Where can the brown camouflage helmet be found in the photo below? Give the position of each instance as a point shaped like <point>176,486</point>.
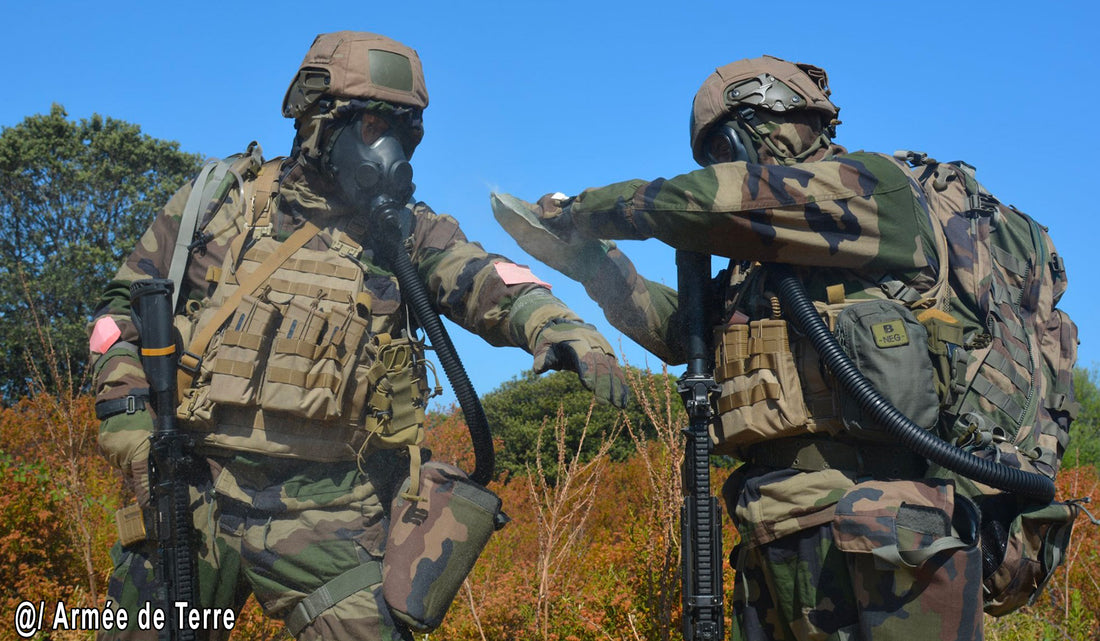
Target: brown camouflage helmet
<point>766,84</point>
<point>359,68</point>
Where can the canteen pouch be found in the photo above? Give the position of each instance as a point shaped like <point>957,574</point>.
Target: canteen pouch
<point>761,395</point>
<point>238,366</point>
<point>434,539</point>
<point>890,348</point>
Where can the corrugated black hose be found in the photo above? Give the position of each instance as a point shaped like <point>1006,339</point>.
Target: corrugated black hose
<point>416,295</point>
<point>802,311</point>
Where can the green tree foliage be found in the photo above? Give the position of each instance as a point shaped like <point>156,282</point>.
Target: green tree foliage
<point>74,199</point>
<point>518,408</point>
<point>1084,434</point>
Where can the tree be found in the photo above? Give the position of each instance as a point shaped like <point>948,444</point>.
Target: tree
<point>517,409</point>
<point>1084,433</point>
<point>74,199</point>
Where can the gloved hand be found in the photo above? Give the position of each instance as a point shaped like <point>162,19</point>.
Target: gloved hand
<point>138,425</point>
<point>546,231</point>
<point>578,347</point>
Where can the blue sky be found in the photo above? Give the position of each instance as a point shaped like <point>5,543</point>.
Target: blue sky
<point>531,98</point>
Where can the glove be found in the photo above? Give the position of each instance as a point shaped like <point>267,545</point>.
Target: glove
<point>578,347</point>
<point>120,430</point>
<point>546,232</point>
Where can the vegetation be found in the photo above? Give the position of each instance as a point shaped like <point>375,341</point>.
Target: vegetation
<point>74,198</point>
<point>592,550</point>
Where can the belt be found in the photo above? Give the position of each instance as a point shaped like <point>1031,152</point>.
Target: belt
<point>813,454</point>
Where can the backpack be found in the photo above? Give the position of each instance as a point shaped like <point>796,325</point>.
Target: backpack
<point>1004,356</point>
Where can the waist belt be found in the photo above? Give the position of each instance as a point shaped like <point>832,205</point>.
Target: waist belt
<point>808,454</point>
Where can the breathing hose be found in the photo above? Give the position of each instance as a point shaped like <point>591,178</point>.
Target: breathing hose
<point>416,295</point>
<point>801,309</point>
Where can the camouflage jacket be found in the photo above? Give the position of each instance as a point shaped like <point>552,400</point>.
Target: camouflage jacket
<point>853,219</point>
<point>460,276</point>
<point>856,219</point>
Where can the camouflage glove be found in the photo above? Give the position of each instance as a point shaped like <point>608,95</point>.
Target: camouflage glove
<point>137,468</point>
<point>545,231</point>
<point>578,347</point>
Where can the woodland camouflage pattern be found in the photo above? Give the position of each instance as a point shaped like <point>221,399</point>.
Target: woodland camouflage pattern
<point>286,525</point>
<point>433,543</point>
<point>853,219</point>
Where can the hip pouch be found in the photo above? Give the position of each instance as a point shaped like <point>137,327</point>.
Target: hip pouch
<point>434,539</point>
<point>1034,545</point>
<point>890,348</point>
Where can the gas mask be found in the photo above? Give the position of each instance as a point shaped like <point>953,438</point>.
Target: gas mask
<point>369,164</point>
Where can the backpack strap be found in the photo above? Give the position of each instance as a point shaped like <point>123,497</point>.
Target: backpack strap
<point>211,185</point>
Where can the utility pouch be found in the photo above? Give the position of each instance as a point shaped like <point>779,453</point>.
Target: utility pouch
<point>890,349</point>
<point>434,539</point>
<point>242,354</point>
<point>390,392</point>
<point>130,521</point>
<point>761,395</point>
<point>1036,545</point>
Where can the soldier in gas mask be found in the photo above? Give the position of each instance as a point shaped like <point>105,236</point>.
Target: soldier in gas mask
<point>303,380</point>
<point>845,532</point>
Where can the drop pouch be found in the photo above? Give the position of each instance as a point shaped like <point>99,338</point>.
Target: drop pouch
<point>435,537</point>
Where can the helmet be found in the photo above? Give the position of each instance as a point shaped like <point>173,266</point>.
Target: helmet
<point>767,84</point>
<point>357,65</point>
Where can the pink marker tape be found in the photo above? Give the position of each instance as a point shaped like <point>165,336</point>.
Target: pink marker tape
<point>104,334</point>
<point>513,274</point>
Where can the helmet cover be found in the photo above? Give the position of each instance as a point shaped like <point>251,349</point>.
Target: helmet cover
<point>766,83</point>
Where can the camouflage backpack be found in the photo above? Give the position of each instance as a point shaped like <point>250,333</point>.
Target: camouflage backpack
<point>1004,356</point>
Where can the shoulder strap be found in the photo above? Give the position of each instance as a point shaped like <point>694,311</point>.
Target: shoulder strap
<point>206,188</point>
<point>191,359</point>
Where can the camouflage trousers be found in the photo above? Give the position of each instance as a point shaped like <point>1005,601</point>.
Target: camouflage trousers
<point>886,564</point>
<point>294,541</point>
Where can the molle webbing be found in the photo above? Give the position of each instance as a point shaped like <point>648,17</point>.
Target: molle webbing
<point>192,357</point>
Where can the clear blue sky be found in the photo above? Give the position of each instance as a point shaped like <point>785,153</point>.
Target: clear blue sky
<point>531,98</point>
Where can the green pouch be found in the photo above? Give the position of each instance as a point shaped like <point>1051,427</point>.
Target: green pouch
<point>434,539</point>
<point>890,347</point>
<point>1037,543</point>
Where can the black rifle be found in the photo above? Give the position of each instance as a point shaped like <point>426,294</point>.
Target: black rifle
<point>700,516</point>
<point>151,308</point>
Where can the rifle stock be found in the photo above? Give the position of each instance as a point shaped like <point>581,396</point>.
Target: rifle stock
<point>151,306</point>
<point>700,516</point>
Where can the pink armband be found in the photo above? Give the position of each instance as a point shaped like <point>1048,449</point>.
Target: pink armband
<point>104,334</point>
<point>513,274</point>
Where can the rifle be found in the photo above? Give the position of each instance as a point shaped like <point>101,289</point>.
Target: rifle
<point>151,309</point>
<point>700,516</point>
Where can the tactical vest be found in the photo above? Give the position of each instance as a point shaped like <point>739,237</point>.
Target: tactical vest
<point>301,352</point>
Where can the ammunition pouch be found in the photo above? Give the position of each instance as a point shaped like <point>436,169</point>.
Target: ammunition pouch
<point>435,538</point>
<point>761,395</point>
